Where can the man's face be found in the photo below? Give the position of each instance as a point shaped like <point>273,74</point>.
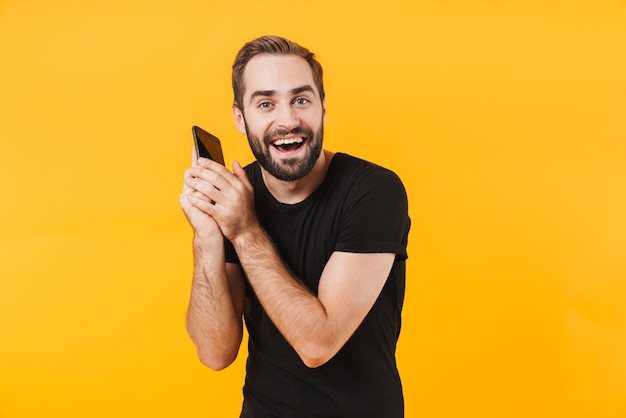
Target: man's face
<point>282,115</point>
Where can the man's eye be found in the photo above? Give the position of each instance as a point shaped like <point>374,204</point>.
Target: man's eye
<point>265,105</point>
<point>301,101</point>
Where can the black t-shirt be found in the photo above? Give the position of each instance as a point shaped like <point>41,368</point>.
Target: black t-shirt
<point>359,207</point>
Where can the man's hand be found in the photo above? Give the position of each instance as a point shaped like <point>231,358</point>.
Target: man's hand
<point>225,197</point>
<point>202,223</point>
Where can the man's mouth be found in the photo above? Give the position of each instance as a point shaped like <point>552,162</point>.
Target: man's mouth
<point>288,144</point>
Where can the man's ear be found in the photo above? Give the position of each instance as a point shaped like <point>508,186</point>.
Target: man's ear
<point>239,119</point>
<point>324,110</point>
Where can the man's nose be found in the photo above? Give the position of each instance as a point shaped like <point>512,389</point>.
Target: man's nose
<point>288,117</point>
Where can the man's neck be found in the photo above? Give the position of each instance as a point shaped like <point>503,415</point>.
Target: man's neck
<point>291,192</point>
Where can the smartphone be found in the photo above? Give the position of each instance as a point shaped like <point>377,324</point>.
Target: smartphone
<point>207,145</point>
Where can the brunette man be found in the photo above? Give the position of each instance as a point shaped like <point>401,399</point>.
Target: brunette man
<point>306,245</point>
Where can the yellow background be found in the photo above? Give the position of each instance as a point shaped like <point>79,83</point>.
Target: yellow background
<point>506,121</point>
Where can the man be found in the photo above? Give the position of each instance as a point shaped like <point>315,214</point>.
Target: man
<point>307,245</point>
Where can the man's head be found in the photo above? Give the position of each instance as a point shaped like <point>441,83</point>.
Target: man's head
<point>271,45</point>
<point>279,105</point>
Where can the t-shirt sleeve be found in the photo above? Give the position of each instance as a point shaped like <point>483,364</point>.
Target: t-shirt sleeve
<point>375,219</point>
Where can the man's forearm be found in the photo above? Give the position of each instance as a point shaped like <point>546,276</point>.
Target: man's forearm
<point>298,314</point>
<point>213,321</point>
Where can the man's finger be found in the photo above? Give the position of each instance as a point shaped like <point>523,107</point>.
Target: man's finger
<point>240,173</point>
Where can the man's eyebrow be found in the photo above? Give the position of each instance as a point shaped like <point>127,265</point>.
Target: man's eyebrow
<point>270,93</point>
<point>302,89</point>
<point>262,93</point>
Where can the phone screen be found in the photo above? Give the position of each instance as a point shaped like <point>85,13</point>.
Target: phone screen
<point>207,145</point>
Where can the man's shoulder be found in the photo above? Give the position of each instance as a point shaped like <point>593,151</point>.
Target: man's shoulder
<point>358,169</point>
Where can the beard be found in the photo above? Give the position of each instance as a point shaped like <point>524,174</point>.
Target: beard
<point>290,169</point>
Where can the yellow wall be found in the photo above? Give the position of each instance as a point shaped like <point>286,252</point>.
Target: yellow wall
<point>506,121</point>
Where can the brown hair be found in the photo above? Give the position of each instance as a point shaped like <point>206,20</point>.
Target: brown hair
<point>273,45</point>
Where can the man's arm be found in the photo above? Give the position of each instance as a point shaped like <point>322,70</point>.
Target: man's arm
<point>214,317</point>
<point>316,327</point>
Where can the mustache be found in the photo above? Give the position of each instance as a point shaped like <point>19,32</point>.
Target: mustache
<point>298,130</point>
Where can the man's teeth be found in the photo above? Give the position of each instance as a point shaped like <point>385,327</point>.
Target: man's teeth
<point>288,141</point>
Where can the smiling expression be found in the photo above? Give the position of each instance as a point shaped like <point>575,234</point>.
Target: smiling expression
<point>284,115</point>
